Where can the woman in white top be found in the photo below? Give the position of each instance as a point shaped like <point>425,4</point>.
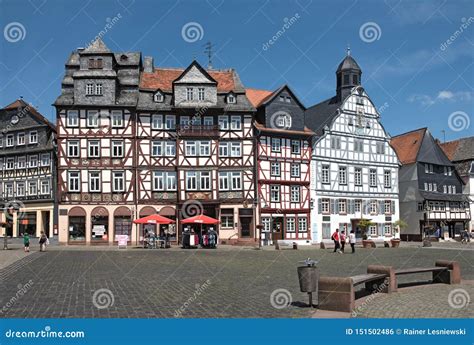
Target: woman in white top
<point>352,240</point>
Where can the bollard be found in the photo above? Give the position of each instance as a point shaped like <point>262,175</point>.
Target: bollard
<point>308,276</point>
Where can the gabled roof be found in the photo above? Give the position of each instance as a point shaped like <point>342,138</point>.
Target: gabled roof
<point>20,103</point>
<point>96,47</point>
<point>199,67</point>
<point>419,146</point>
<point>263,97</point>
<point>459,150</point>
<point>322,114</point>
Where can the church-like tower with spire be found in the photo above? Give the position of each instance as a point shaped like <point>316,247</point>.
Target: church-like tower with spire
<point>354,170</point>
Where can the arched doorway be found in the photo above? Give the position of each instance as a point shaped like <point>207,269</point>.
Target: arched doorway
<point>99,225</point>
<point>123,222</point>
<point>76,225</point>
<point>168,231</point>
<point>146,228</point>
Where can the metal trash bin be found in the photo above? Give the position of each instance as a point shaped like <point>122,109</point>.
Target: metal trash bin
<point>308,276</point>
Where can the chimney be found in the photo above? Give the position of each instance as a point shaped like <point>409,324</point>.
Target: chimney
<point>148,64</point>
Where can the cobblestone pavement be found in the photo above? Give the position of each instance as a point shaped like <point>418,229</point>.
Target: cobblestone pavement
<point>227,282</point>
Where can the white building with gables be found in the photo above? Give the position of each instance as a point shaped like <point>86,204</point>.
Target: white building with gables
<point>354,169</point>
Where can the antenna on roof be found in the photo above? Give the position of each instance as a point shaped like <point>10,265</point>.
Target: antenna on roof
<point>208,51</point>
<point>444,135</point>
<point>348,50</point>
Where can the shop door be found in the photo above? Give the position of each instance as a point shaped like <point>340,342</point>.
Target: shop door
<point>245,225</point>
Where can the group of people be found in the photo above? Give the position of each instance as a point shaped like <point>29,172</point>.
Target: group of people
<point>340,239</point>
<point>206,238</point>
<point>43,241</point>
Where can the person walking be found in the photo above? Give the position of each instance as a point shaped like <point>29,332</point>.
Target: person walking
<point>343,240</point>
<point>26,242</point>
<point>43,240</point>
<point>337,241</point>
<point>352,240</point>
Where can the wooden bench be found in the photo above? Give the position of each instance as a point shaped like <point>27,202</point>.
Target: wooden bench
<point>286,244</point>
<point>444,271</point>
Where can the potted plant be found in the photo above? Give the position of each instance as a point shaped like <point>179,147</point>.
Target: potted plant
<point>364,225</point>
<point>399,224</point>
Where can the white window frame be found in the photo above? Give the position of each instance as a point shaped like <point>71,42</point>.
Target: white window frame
<point>95,180</point>
<point>275,169</point>
<point>387,178</point>
<point>201,94</point>
<point>72,118</point>
<point>373,178</point>
<point>93,120</point>
<point>45,188</point>
<point>342,175</point>
<point>236,122</point>
<point>156,121</point>
<point>33,137</point>
<point>325,173</point>
<point>20,139</point>
<point>45,159</point>
<point>170,122</point>
<point>290,224</point>
<point>117,119</point>
<point>295,194</point>
<point>74,177</point>
<point>10,141</point>
<point>302,224</point>
<point>276,144</point>
<point>33,161</point>
<point>93,148</point>
<point>295,170</point>
<point>223,122</point>
<point>275,193</point>
<point>357,176</point>
<point>118,181</point>
<point>117,148</point>
<point>73,145</point>
<point>189,94</point>
<point>295,147</point>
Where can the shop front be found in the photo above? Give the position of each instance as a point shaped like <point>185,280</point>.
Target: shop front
<point>100,226</point>
<point>123,223</point>
<point>77,225</point>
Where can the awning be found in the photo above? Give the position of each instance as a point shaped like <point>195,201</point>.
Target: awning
<point>201,219</point>
<point>153,219</point>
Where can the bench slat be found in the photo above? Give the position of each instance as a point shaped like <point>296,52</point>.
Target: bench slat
<point>419,270</point>
<point>364,278</point>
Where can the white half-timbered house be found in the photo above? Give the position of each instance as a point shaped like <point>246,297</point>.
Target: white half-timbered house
<point>354,168</point>
<point>283,166</point>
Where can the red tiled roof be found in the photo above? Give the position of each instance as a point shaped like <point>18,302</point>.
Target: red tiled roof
<point>256,97</point>
<point>450,148</point>
<point>162,78</point>
<point>407,145</point>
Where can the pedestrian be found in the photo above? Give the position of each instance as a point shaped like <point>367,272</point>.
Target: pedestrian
<point>352,240</point>
<point>43,240</point>
<point>343,240</point>
<point>337,241</point>
<point>465,236</point>
<point>26,242</point>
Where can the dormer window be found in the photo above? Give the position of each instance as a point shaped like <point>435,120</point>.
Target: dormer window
<point>95,64</point>
<point>231,98</point>
<point>282,98</point>
<point>288,99</point>
<point>159,97</point>
<point>190,94</point>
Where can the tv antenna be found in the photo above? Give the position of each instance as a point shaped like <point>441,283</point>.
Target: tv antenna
<point>208,51</point>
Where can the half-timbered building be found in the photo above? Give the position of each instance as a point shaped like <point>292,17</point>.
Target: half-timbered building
<point>431,191</point>
<point>195,148</point>
<point>96,145</point>
<point>27,170</point>
<point>354,169</point>
<point>283,149</point>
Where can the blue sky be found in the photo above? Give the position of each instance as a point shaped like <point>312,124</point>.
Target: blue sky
<point>411,76</point>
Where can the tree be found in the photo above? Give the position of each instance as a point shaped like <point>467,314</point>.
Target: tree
<point>400,224</point>
<point>364,225</point>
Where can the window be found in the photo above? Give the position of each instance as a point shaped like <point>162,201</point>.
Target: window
<point>276,145</point>
<point>275,169</point>
<point>454,189</point>
<point>90,89</point>
<point>10,164</point>
<point>170,122</point>
<point>72,118</point>
<point>230,180</point>
<point>33,161</point>
<point>373,230</point>
<point>198,180</point>
<point>98,89</point>
<point>20,139</point>
<point>190,94</point>
<point>295,193</point>
<point>288,99</point>
<point>118,181</point>
<point>235,123</point>
<point>325,174</point>
<point>445,189</point>
<point>231,99</point>
<point>387,207</point>
<point>435,187</point>
<point>164,180</point>
<point>208,121</point>
<point>117,119</point>
<point>45,189</point>
<point>227,221</point>
<point>295,147</point>
<point>21,163</point>
<point>335,143</point>
<point>450,171</point>
<point>9,141</point>
<point>266,222</point>
<point>156,121</point>
<point>204,148</point>
<point>1,140</point>
<point>45,160</point>
<point>93,150</point>
<point>358,145</point>
<point>380,148</point>
<point>230,149</point>
<point>117,148</point>
<point>302,224</point>
<point>33,137</point>
<point>158,97</point>
<point>73,148</point>
<point>373,207</point>
<point>93,119</point>
<point>343,175</point>
<point>358,176</point>
<point>342,203</point>
<point>275,193</point>
<point>290,224</point>
<point>73,181</point>
<point>198,148</point>
<point>387,179</point>
<point>295,169</point>
<point>161,148</point>
<point>387,229</point>
<point>32,188</point>
<point>357,205</point>
<point>428,168</point>
<point>373,178</point>
<point>9,189</point>
<point>223,122</point>
<point>95,64</point>
<point>201,94</point>
<point>325,206</point>
<point>94,181</point>
<point>184,121</point>
<point>20,188</point>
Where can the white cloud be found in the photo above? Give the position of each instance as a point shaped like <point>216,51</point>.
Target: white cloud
<point>442,96</point>
<point>445,95</point>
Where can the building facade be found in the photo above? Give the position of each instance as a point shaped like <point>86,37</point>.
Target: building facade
<point>461,153</point>
<point>283,166</point>
<point>27,170</point>
<point>431,190</point>
<point>354,171</point>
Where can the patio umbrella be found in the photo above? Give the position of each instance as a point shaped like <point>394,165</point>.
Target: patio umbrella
<point>154,219</point>
<point>200,219</point>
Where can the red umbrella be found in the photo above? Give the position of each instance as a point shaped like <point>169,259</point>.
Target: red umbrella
<point>154,219</point>
<point>201,219</point>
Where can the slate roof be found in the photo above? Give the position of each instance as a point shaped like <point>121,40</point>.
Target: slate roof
<point>348,64</point>
<point>459,150</point>
<point>443,197</point>
<point>20,104</point>
<point>97,47</point>
<point>322,114</point>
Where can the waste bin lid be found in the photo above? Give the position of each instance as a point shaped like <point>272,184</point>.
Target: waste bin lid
<point>309,262</point>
